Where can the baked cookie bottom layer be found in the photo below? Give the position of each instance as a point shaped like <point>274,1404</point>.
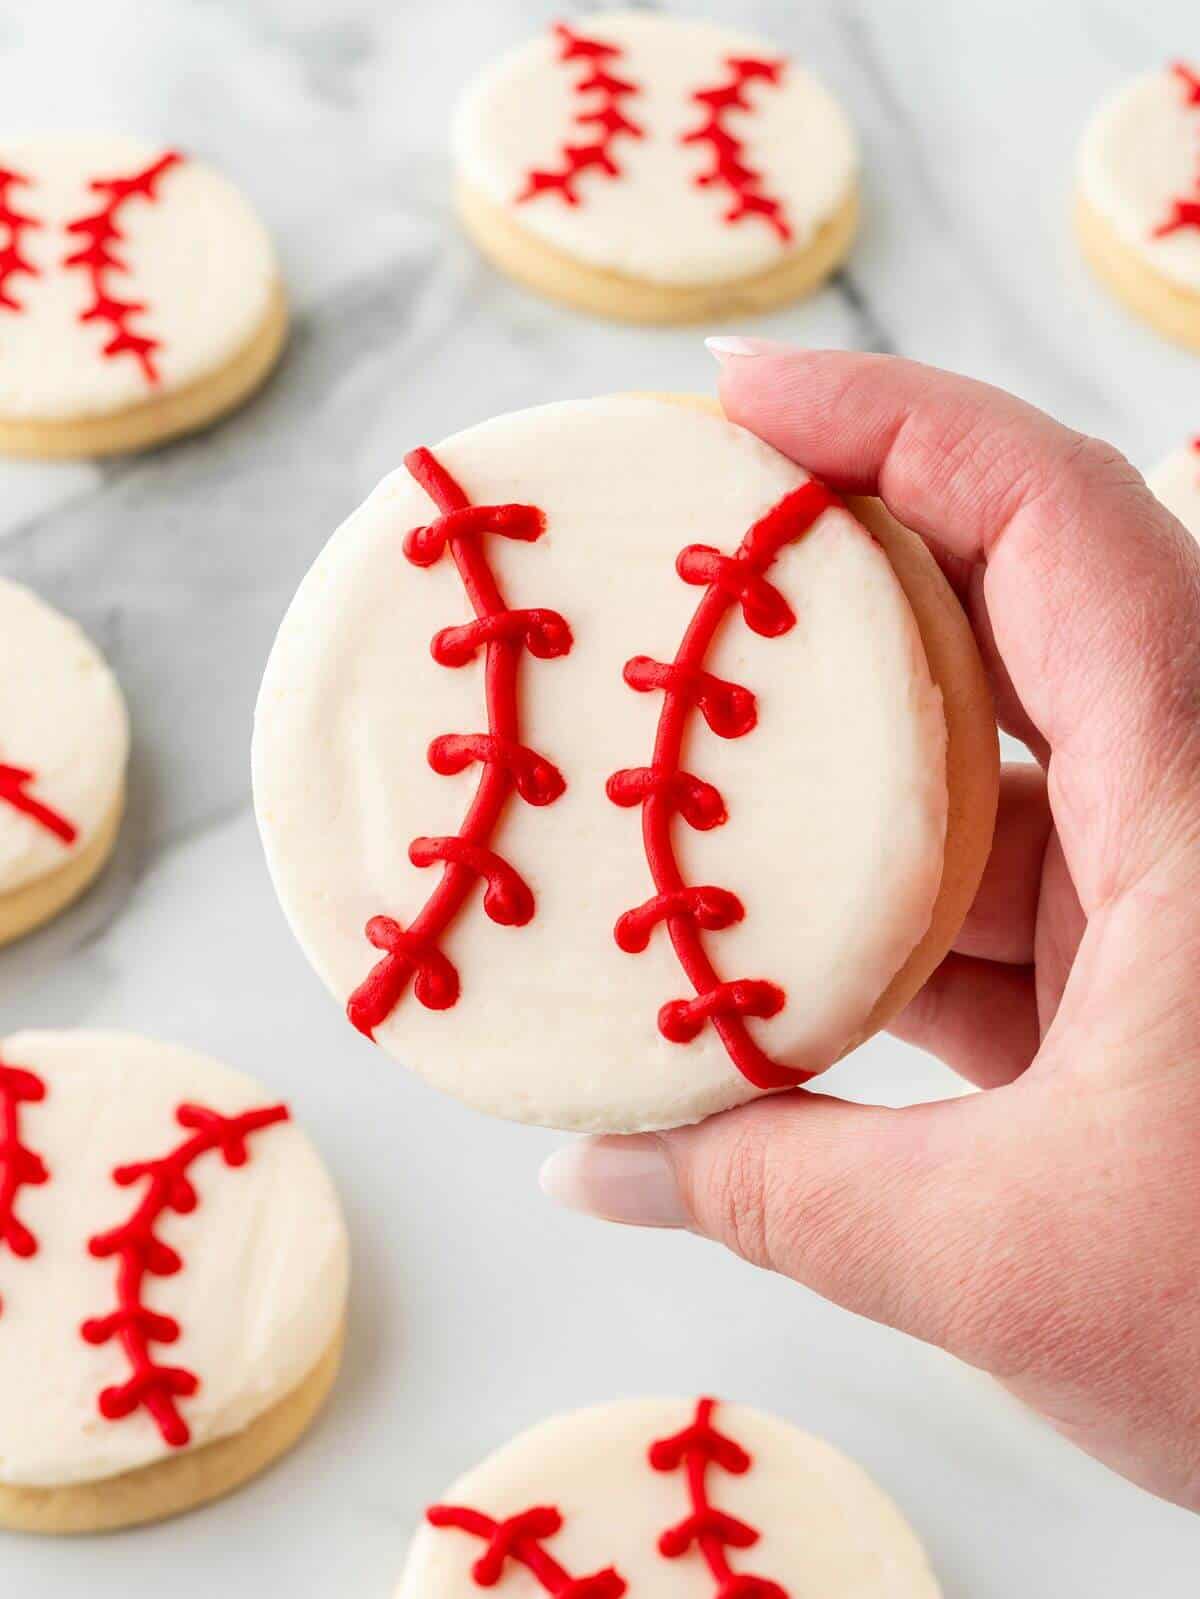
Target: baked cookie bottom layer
<point>42,899</point>
<point>556,276</point>
<point>181,1481</point>
<point>163,417</point>
<point>1168,307</point>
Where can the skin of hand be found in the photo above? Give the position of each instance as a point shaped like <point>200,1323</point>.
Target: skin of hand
<point>1046,1230</point>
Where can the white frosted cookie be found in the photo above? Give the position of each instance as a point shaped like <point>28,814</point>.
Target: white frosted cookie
<point>173,1272</point>
<point>672,1498</point>
<point>64,743</point>
<point>1176,481</point>
<point>1139,198</point>
<point>656,168</point>
<point>659,819</point>
<point>139,295</point>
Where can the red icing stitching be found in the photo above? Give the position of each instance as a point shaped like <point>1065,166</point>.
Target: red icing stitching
<point>710,1530</point>
<point>14,784</point>
<point>1185,209</point>
<point>140,1252</point>
<point>664,789</point>
<point>519,1539</point>
<point>98,257</point>
<point>507,765</point>
<point>606,116</point>
<point>20,1166</point>
<point>12,257</point>
<point>729,169</point>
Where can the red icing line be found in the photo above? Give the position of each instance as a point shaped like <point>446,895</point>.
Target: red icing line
<point>140,1252</point>
<point>507,765</point>
<point>729,169</point>
<point>20,1167</point>
<point>98,258</point>
<point>520,1539</point>
<point>713,1532</point>
<point>1185,210</point>
<point>14,785</point>
<point>12,258</point>
<point>605,116</point>
<point>664,789</point>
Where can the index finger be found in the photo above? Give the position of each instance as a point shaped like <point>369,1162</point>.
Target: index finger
<point>1092,588</point>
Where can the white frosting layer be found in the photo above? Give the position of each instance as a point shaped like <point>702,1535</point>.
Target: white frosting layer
<point>1176,481</point>
<point>63,718</point>
<point>825,1528</point>
<point>654,222</point>
<point>263,1285</point>
<point>836,800</point>
<point>198,259</point>
<point>1141,152</point>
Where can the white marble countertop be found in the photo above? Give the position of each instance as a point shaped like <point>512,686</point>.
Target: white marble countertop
<point>477,1307</point>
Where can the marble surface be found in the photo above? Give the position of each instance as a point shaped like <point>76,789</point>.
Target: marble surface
<point>477,1307</point>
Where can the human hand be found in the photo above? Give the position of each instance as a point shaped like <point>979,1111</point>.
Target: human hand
<point>1047,1230</point>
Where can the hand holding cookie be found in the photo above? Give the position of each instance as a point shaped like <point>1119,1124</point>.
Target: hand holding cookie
<point>1045,1232</point>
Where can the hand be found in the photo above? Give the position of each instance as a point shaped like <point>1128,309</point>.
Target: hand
<point>1047,1230</point>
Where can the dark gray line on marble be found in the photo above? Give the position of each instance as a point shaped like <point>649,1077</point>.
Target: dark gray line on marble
<point>870,333</point>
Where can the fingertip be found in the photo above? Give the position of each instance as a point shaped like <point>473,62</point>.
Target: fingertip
<point>629,1180</point>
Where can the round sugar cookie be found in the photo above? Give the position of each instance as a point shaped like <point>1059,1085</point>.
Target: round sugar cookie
<point>656,169</point>
<point>611,772</point>
<point>64,744</point>
<point>1138,201</point>
<point>1176,481</point>
<point>173,1275</point>
<point>673,1498</point>
<point>139,295</point>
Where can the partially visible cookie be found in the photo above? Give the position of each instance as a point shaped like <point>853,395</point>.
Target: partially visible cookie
<point>139,295</point>
<point>1176,481</point>
<point>64,743</point>
<point>173,1273</point>
<point>672,1498</point>
<point>656,169</point>
<point>1138,204</point>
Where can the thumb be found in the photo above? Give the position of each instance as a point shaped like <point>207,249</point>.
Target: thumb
<point>899,1215</point>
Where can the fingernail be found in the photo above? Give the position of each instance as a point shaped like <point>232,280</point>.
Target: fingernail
<point>629,1180</point>
<point>724,345</point>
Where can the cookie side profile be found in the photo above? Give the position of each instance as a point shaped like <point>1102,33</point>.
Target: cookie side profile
<point>1176,481</point>
<point>661,817</point>
<point>64,745</point>
<point>669,1497</point>
<point>173,1280</point>
<point>1138,199</point>
<point>656,169</point>
<point>140,296</point>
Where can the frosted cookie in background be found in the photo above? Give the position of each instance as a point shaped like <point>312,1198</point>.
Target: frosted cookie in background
<point>669,1497</point>
<point>656,169</point>
<point>140,297</point>
<point>1176,481</point>
<point>612,772</point>
<point>1138,199</point>
<point>173,1275</point>
<point>64,745</point>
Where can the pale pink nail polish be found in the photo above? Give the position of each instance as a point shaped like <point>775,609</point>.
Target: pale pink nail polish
<point>629,1180</point>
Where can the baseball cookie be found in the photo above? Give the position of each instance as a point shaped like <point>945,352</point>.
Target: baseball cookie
<point>1177,484</point>
<point>139,296</point>
<point>173,1266</point>
<point>656,170</point>
<point>1138,206</point>
<point>688,794</point>
<point>64,742</point>
<point>669,1497</point>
